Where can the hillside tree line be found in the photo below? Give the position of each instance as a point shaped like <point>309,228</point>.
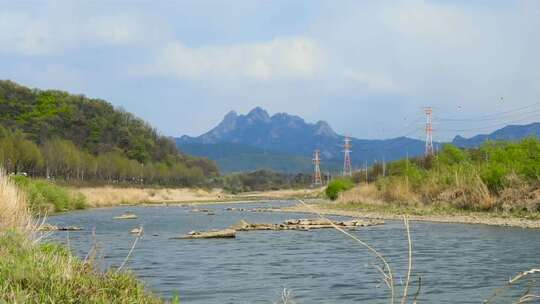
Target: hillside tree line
<point>58,135</point>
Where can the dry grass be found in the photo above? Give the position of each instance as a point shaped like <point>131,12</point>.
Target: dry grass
<point>394,191</point>
<point>398,191</point>
<point>285,194</point>
<point>367,194</point>
<point>110,196</point>
<point>14,212</point>
<point>468,193</point>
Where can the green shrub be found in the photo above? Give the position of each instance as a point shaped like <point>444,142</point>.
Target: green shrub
<point>44,196</point>
<point>336,186</point>
<point>493,176</point>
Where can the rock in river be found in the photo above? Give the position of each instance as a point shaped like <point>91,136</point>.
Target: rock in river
<point>212,234</point>
<point>305,224</point>
<point>127,216</point>
<point>138,231</point>
<point>49,227</point>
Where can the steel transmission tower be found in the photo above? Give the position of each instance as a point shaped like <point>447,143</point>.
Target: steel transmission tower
<point>347,167</point>
<point>317,180</point>
<point>429,131</point>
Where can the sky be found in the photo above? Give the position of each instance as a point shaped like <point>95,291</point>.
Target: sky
<point>366,67</point>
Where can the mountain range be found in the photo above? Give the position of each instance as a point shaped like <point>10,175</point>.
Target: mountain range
<point>285,142</point>
<point>508,133</point>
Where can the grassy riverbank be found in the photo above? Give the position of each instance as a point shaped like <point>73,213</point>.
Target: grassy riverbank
<point>33,271</point>
<point>45,197</point>
<point>498,182</point>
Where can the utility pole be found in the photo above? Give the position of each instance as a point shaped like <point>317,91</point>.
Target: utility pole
<point>328,177</point>
<point>407,169</point>
<point>365,168</point>
<point>317,181</point>
<point>347,167</point>
<point>429,131</point>
<point>383,167</point>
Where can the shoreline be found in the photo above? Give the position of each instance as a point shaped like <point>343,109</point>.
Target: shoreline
<point>106,197</point>
<point>475,219</point>
<point>97,197</point>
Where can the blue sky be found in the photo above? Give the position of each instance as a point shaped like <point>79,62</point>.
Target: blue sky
<point>366,67</point>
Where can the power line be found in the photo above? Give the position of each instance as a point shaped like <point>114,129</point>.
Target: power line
<point>491,116</point>
<point>502,124</point>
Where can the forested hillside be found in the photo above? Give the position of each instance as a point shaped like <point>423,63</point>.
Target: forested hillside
<point>72,137</point>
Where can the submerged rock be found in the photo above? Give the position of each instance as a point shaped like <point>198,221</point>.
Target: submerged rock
<point>138,231</point>
<point>240,225</point>
<point>200,210</point>
<point>127,216</point>
<point>235,209</point>
<point>212,234</point>
<point>69,228</point>
<point>49,227</point>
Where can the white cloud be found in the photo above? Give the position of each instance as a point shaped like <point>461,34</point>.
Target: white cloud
<point>423,20</point>
<point>20,33</point>
<point>278,59</point>
<point>367,56</point>
<point>375,82</point>
<point>57,31</point>
<point>118,30</point>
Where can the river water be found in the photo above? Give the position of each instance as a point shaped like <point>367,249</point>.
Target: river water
<point>457,263</point>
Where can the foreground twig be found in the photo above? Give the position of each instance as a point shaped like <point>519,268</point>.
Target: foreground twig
<point>404,299</point>
<point>93,248</point>
<point>35,226</point>
<point>418,290</point>
<point>286,297</point>
<point>388,276</point>
<point>511,282</point>
<point>528,298</point>
<point>139,235</point>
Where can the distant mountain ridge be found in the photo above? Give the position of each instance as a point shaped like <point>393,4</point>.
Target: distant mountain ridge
<point>285,142</point>
<point>281,132</point>
<point>284,134</point>
<point>508,133</point>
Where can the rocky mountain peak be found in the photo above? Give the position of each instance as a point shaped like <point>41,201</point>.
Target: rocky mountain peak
<point>258,114</point>
<point>324,129</point>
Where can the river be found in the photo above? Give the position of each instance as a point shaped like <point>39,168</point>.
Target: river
<point>457,263</point>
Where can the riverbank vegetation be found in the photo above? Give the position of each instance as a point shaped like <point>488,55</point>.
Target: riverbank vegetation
<point>336,186</point>
<point>34,271</point>
<point>262,180</point>
<point>496,177</point>
<point>53,134</point>
<point>45,197</point>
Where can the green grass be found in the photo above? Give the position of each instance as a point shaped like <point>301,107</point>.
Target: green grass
<point>46,197</point>
<point>48,273</point>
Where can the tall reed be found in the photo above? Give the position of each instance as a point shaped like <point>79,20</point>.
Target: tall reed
<point>14,212</point>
